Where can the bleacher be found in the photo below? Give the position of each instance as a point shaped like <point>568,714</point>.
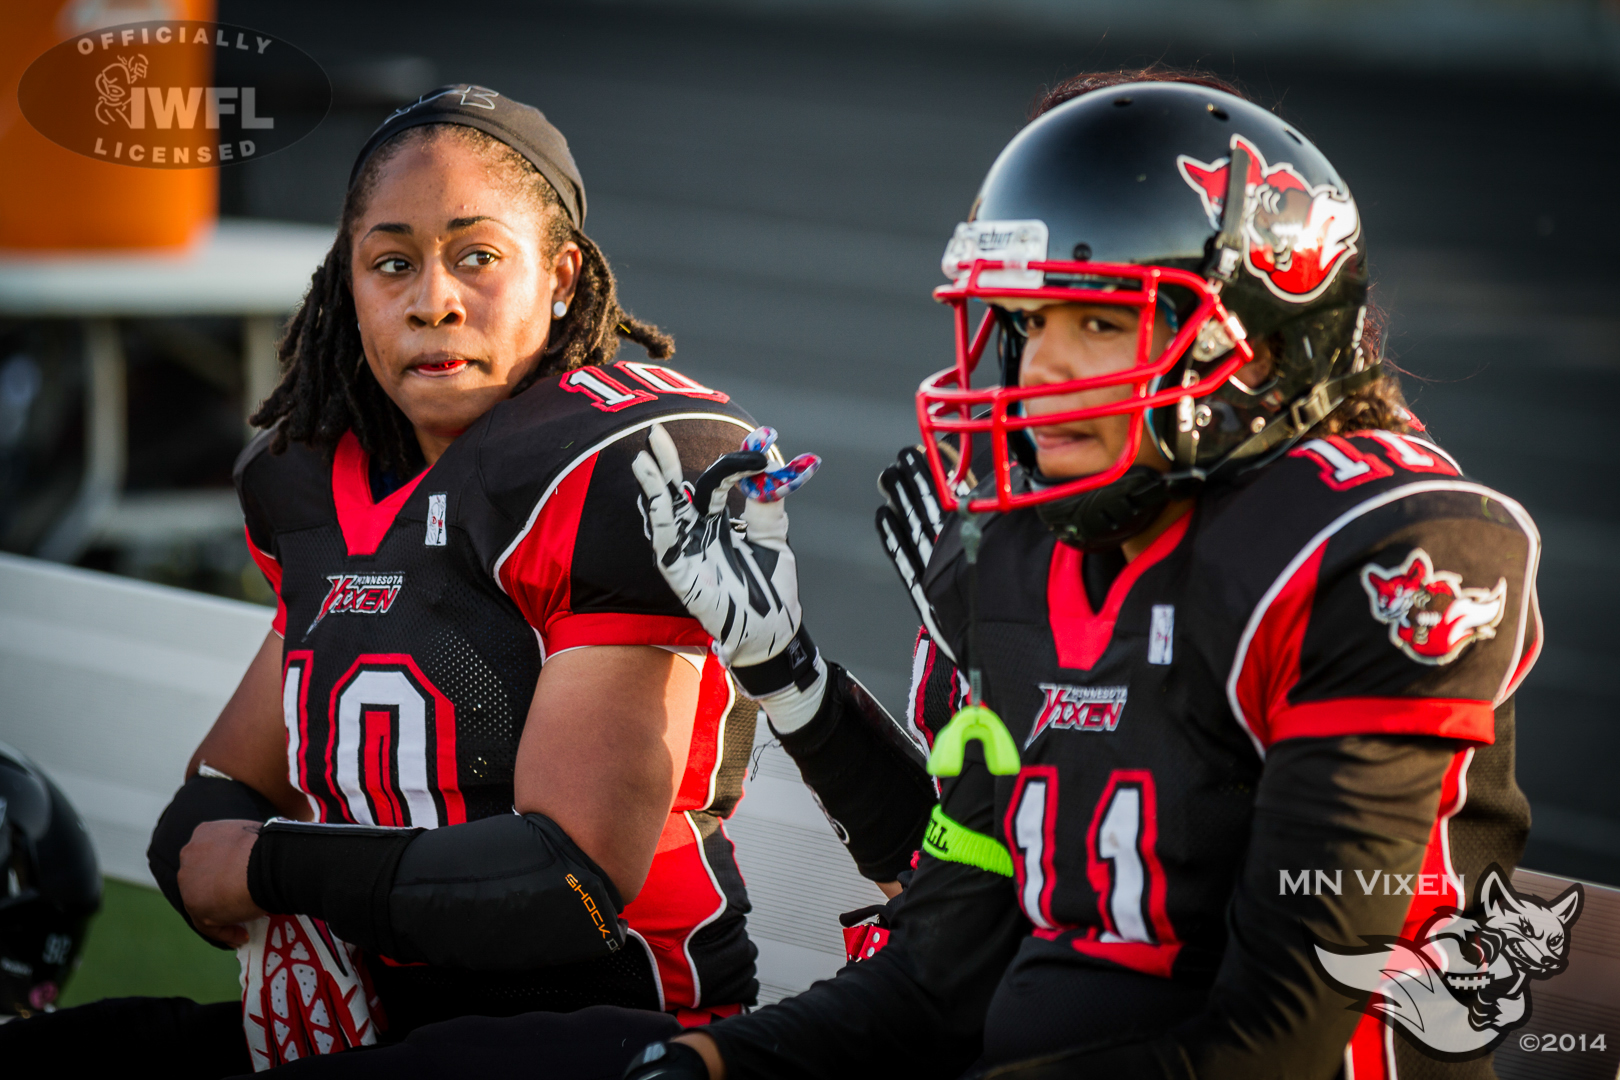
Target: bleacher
<point>112,683</point>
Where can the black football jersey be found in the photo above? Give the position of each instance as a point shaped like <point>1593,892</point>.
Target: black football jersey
<point>1358,586</point>
<point>415,628</point>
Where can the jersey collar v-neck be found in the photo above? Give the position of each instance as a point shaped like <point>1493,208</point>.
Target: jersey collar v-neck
<point>364,522</point>
<point>1082,635</point>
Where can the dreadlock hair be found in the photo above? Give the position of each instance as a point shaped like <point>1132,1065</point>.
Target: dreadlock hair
<point>327,387</point>
<point>1379,405</point>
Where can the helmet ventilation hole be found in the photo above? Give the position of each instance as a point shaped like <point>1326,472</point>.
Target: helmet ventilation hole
<point>1217,112</point>
<point>1292,134</point>
<point>1121,102</point>
<point>1082,253</point>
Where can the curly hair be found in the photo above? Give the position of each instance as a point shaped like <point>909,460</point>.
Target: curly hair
<point>1380,405</point>
<point>327,387</point>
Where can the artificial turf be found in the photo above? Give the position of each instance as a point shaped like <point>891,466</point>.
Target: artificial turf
<point>138,946</point>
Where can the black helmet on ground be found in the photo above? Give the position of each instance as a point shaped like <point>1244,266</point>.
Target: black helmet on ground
<point>50,886</point>
<point>1206,213</point>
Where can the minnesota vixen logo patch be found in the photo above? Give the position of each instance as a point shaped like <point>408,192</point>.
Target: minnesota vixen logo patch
<point>1078,708</point>
<point>1431,617</point>
<point>362,594</point>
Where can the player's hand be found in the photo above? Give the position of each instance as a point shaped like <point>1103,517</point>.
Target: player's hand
<point>682,1058</point>
<point>909,524</point>
<point>213,879</point>
<point>737,577</point>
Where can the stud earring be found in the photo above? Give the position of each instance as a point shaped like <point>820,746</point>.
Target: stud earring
<point>559,309</point>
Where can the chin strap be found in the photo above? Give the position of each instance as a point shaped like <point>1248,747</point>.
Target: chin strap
<point>1106,516</point>
<point>1103,518</point>
<point>1307,412</point>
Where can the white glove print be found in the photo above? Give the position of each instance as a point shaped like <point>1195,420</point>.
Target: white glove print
<point>737,577</point>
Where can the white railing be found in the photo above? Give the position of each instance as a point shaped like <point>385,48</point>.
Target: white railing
<point>110,684</point>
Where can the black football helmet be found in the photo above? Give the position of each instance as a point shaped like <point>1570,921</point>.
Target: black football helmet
<point>50,888</point>
<point>1188,204</point>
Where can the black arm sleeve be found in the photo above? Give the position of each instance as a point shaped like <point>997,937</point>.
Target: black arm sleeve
<point>200,799</point>
<point>917,1008</point>
<point>500,894</point>
<point>1323,804</point>
<point>871,778</point>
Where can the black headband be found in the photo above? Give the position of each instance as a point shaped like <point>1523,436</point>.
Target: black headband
<point>522,127</point>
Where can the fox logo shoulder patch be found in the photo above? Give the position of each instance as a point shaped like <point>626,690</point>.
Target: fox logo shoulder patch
<point>1431,616</point>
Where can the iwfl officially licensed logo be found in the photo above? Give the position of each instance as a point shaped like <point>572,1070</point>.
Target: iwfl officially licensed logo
<point>174,94</point>
<point>1296,236</point>
<point>1430,615</point>
<point>1463,983</point>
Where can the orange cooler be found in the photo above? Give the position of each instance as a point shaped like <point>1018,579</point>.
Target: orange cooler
<point>54,199</point>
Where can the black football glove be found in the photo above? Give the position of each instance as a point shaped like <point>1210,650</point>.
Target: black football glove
<point>667,1061</point>
<point>909,523</point>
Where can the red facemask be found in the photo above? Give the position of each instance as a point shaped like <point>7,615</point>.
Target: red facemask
<point>947,404</point>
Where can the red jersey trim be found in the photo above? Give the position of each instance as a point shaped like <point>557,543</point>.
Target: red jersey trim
<point>691,1018</point>
<point>1528,660</point>
<point>1082,637</point>
<point>617,628</point>
<point>539,576</point>
<point>1264,685</point>
<point>1371,1048</point>
<point>272,573</point>
<point>1451,718</point>
<point>681,896</point>
<point>295,672</point>
<point>364,523</point>
<point>534,515</point>
<point>706,749</point>
<point>1138,956</point>
<point>923,654</point>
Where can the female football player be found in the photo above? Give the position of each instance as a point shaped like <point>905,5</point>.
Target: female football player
<point>494,746</point>
<point>1237,646</point>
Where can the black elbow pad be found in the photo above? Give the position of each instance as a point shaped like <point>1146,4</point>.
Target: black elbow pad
<point>504,893</point>
<point>870,777</point>
<point>200,799</point>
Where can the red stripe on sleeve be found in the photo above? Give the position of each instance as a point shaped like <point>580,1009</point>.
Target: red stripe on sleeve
<point>537,576</point>
<point>272,573</point>
<point>1451,718</point>
<point>616,628</point>
<point>1271,664</point>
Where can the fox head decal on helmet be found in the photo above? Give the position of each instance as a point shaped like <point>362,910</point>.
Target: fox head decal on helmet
<point>1187,204</point>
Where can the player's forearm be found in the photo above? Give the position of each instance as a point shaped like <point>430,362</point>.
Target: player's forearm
<point>200,799</point>
<point>873,1019</point>
<point>503,893</point>
<point>248,741</point>
<point>868,775</point>
<point>1336,805</point>
<point>918,1007</point>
